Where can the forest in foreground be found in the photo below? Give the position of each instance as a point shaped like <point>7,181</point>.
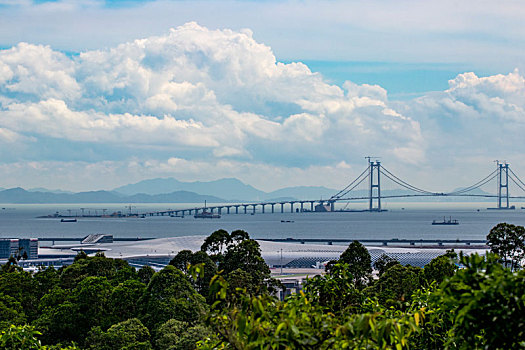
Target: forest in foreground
<point>222,297</point>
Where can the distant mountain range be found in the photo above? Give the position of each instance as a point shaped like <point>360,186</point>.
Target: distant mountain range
<point>167,190</point>
<point>230,189</point>
<point>20,196</point>
<point>170,190</point>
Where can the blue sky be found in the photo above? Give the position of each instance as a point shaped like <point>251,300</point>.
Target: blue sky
<point>94,93</point>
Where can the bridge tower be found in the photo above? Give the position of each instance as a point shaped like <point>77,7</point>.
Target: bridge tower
<point>503,185</point>
<point>374,174</point>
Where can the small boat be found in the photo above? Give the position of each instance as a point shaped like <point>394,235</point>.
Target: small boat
<point>446,222</point>
<point>287,221</point>
<point>206,214</point>
<point>68,220</point>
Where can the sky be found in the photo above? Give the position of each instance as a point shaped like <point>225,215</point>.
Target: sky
<point>98,94</point>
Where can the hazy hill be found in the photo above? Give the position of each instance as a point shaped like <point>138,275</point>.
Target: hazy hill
<point>229,188</point>
<point>20,196</point>
<point>42,189</point>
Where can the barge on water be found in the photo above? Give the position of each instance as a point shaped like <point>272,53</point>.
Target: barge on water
<point>446,222</point>
<point>68,220</point>
<point>205,214</point>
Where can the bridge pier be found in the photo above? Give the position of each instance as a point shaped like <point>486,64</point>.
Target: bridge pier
<point>272,207</point>
<point>282,207</point>
<point>291,207</point>
<point>236,209</point>
<point>219,210</point>
<point>262,205</point>
<point>253,205</point>
<point>227,209</point>
<point>312,205</point>
<point>302,204</point>
<point>245,208</point>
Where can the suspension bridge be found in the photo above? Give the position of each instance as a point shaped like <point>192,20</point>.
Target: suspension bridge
<point>373,177</point>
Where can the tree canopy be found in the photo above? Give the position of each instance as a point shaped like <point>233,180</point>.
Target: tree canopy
<point>101,303</point>
<point>508,242</point>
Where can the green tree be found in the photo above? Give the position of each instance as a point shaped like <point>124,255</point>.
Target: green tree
<point>20,285</point>
<point>182,260</point>
<point>44,280</point>
<point>186,258</point>
<point>383,263</point>
<point>126,335</point>
<point>244,267</point>
<point>145,273</point>
<point>81,255</point>
<point>439,268</point>
<point>216,243</point>
<point>26,338</point>
<point>397,284</point>
<point>485,304</point>
<point>115,270</point>
<point>170,295</point>
<point>359,263</point>
<point>123,302</point>
<point>91,297</point>
<point>59,323</point>
<point>19,338</point>
<point>262,322</point>
<point>179,335</point>
<point>336,291</point>
<point>239,257</point>
<point>508,242</point>
<point>11,312</point>
<point>11,265</point>
<point>247,256</point>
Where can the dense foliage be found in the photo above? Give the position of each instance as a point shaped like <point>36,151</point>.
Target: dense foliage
<point>222,298</point>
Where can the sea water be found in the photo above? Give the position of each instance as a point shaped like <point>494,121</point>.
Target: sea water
<point>401,221</point>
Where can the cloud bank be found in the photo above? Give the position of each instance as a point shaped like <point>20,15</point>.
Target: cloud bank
<point>201,104</point>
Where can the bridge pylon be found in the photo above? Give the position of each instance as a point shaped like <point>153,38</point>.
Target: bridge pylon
<point>374,174</point>
<point>503,185</point>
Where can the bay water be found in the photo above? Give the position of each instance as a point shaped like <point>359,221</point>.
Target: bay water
<point>402,221</point>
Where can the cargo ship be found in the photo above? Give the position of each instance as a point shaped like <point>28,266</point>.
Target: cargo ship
<point>446,222</point>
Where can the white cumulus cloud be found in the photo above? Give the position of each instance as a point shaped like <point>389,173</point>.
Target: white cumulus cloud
<point>200,98</point>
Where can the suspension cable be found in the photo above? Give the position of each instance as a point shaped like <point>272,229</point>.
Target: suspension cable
<point>517,184</point>
<point>478,184</point>
<point>405,186</point>
<point>404,183</point>
<point>338,194</point>
<point>517,177</point>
